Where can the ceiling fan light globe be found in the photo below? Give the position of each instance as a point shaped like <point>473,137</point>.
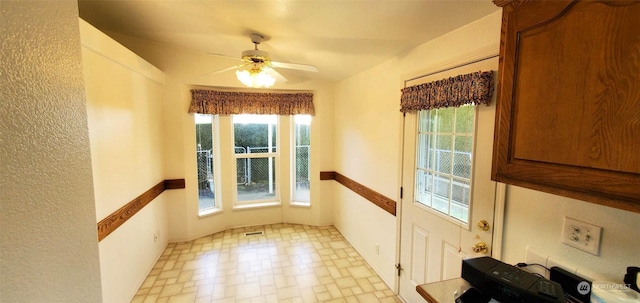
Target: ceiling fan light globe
<point>255,79</point>
<point>265,79</point>
<point>244,77</point>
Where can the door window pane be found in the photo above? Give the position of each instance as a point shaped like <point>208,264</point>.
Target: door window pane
<point>443,154</point>
<point>444,160</point>
<point>462,156</point>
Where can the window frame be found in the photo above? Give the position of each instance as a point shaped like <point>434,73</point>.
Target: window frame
<point>272,201</point>
<point>294,161</point>
<point>450,175</point>
<point>215,161</point>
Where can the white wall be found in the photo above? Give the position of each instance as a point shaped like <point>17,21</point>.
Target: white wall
<point>124,95</point>
<point>534,219</point>
<point>185,70</point>
<point>48,242</point>
<point>366,151</point>
<point>367,140</point>
<point>367,144</point>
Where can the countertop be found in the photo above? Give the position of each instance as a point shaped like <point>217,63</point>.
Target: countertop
<point>444,291</point>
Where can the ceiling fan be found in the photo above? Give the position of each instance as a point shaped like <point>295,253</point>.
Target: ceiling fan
<point>257,69</point>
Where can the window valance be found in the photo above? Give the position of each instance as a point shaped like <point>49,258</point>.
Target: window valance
<point>475,88</point>
<point>232,103</point>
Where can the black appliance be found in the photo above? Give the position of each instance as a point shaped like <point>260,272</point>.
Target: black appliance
<point>507,283</point>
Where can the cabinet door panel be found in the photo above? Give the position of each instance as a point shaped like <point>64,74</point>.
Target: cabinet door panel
<point>574,104</point>
<point>569,100</point>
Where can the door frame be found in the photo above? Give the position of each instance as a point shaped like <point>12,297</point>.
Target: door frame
<point>500,195</point>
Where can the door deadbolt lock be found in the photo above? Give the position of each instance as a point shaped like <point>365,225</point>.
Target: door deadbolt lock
<point>480,247</point>
<point>483,224</point>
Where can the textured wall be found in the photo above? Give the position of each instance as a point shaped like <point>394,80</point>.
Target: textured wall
<point>49,248</point>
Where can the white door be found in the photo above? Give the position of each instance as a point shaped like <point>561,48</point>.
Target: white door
<point>434,237</point>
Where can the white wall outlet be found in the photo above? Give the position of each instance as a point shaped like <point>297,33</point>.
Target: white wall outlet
<point>581,235</point>
<point>533,256</point>
<point>377,249</point>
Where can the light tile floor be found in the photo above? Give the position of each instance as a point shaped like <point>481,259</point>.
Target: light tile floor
<point>289,263</point>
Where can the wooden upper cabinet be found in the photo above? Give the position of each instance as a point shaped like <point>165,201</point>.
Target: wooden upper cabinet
<point>568,111</point>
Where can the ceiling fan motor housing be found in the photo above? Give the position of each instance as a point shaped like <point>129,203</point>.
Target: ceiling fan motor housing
<point>256,38</point>
<point>255,56</point>
<point>257,61</point>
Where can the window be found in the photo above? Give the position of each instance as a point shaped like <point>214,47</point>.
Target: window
<point>205,162</point>
<point>255,149</point>
<point>300,162</point>
<point>444,160</point>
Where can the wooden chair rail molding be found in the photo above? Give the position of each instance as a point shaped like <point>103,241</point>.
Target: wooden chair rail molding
<point>367,193</point>
<point>109,224</point>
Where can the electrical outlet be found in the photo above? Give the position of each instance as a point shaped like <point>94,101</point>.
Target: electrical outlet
<point>155,238</point>
<point>581,235</point>
<point>377,249</point>
<point>555,261</point>
<point>533,256</point>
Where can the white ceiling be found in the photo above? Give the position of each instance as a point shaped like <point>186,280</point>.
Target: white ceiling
<point>340,37</point>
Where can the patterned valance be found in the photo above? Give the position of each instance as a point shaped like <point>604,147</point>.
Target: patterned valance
<point>232,103</point>
<point>475,88</point>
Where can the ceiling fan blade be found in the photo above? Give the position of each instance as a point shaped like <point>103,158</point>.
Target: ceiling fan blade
<point>226,69</point>
<point>279,77</point>
<point>304,67</point>
<point>225,56</point>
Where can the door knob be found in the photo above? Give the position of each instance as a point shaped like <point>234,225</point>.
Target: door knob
<point>480,247</point>
<point>483,224</point>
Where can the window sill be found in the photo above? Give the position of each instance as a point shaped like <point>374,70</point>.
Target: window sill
<point>256,205</point>
<point>300,204</point>
<point>209,212</point>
